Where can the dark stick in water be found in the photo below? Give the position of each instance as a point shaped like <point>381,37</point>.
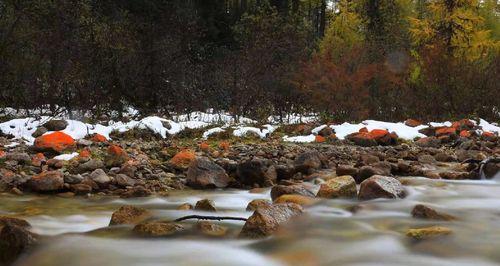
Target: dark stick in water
<point>218,218</point>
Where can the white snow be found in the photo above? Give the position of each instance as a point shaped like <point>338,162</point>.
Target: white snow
<point>211,131</point>
<point>66,157</point>
<point>300,139</point>
<point>488,126</point>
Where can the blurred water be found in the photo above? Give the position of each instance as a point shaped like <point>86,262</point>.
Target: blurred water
<point>333,232</point>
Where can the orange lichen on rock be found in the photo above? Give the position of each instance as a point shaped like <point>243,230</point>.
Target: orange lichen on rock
<point>224,145</point>
<point>378,133</point>
<point>465,134</point>
<point>2,154</point>
<point>57,141</point>
<point>204,146</point>
<point>319,139</point>
<point>85,153</point>
<point>445,131</point>
<point>183,158</point>
<point>37,159</point>
<point>99,138</point>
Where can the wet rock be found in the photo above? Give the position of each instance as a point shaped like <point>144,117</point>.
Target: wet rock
<point>366,172</point>
<point>14,241</point>
<point>20,157</point>
<point>81,189</point>
<point>124,181</point>
<point>100,177</point>
<point>423,212</point>
<point>55,125</point>
<point>203,173</point>
<point>339,187</point>
<point>284,172</point>
<point>55,142</point>
<point>185,207</point>
<point>48,181</point>
<point>381,187</point>
<point>453,175</point>
<point>89,166</point>
<point>344,169</point>
<point>158,229</point>
<point>307,161</point>
<point>210,229</point>
<point>490,169</point>
<point>297,199</point>
<point>73,179</point>
<point>428,232</point>
<point>256,171</point>
<point>297,189</point>
<point>129,215</point>
<point>266,220</point>
<point>136,192</point>
<point>4,220</point>
<point>258,203</point>
<point>205,205</point>
<point>427,159</point>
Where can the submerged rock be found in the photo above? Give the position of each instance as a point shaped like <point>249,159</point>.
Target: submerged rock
<point>428,232</point>
<point>258,203</point>
<point>211,229</point>
<point>158,229</point>
<point>296,189</point>
<point>203,173</point>
<point>266,220</point>
<point>297,199</point>
<point>129,215</point>
<point>423,212</point>
<point>339,187</point>
<point>205,205</point>
<point>381,187</point>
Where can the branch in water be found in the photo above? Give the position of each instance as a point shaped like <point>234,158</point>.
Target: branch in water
<point>217,218</point>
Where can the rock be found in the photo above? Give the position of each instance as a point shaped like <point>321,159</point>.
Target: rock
<point>55,142</point>
<point>89,166</point>
<point>116,156</point>
<point>100,177</point>
<point>413,123</point>
<point>47,181</point>
<point>490,169</point>
<point>185,207</point>
<point>129,215</point>
<point>73,179</point>
<point>297,199</point>
<point>266,220</point>
<point>444,157</point>
<point>158,229</point>
<point>326,132</point>
<point>339,187</point>
<point>14,241</point>
<point>203,173</point>
<point>343,169</point>
<point>55,125</point>
<point>5,220</point>
<point>124,181</point>
<point>363,139</point>
<point>297,189</point>
<point>307,161</point>
<point>441,131</point>
<point>205,205</point>
<point>98,138</point>
<point>136,192</point>
<point>428,142</point>
<point>183,159</point>
<point>128,169</point>
<point>423,212</point>
<point>258,203</point>
<point>256,171</point>
<point>81,189</point>
<point>210,229</point>
<point>39,132</point>
<point>366,172</point>
<point>381,187</point>
<point>284,172</point>
<point>426,159</point>
<point>20,157</point>
<point>453,175</point>
<point>428,232</point>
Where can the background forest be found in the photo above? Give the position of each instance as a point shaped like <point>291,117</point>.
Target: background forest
<point>344,59</point>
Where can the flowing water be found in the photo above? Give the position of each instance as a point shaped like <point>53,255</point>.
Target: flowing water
<point>333,232</point>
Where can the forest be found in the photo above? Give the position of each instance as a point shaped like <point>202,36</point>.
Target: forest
<point>345,60</point>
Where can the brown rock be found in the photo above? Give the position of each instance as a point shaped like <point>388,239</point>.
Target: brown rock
<point>297,199</point>
<point>129,215</point>
<point>258,203</point>
<point>265,221</point>
<point>423,212</point>
<point>205,205</point>
<point>47,181</point>
<point>307,161</point>
<point>158,229</point>
<point>210,229</point>
<point>381,187</point>
<point>297,189</point>
<point>428,232</point>
<point>185,207</point>
<point>339,187</point>
<point>256,172</point>
<point>14,241</point>
<point>203,173</point>
<point>346,170</point>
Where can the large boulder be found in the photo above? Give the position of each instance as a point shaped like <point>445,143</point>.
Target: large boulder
<point>367,171</point>
<point>339,187</point>
<point>100,177</point>
<point>256,172</point>
<point>308,161</point>
<point>205,205</point>
<point>423,212</point>
<point>48,181</point>
<point>266,220</point>
<point>129,215</point>
<point>55,125</point>
<point>55,142</point>
<point>379,186</point>
<point>203,173</point>
<point>373,138</point>
<point>296,189</point>
<point>15,240</point>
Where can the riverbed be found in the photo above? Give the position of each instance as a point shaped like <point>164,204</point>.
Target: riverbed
<point>332,232</point>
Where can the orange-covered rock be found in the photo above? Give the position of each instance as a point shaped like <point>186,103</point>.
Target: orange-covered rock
<point>373,138</point>
<point>116,156</point>
<point>38,159</point>
<point>57,141</point>
<point>85,153</point>
<point>2,154</point>
<point>463,124</point>
<point>413,123</point>
<point>183,158</point>
<point>99,138</point>
<point>445,131</point>
<point>204,146</point>
<point>319,139</point>
<point>465,134</point>
<point>489,136</point>
<point>224,145</point>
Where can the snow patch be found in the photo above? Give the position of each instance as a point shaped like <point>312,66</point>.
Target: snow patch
<point>66,157</point>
